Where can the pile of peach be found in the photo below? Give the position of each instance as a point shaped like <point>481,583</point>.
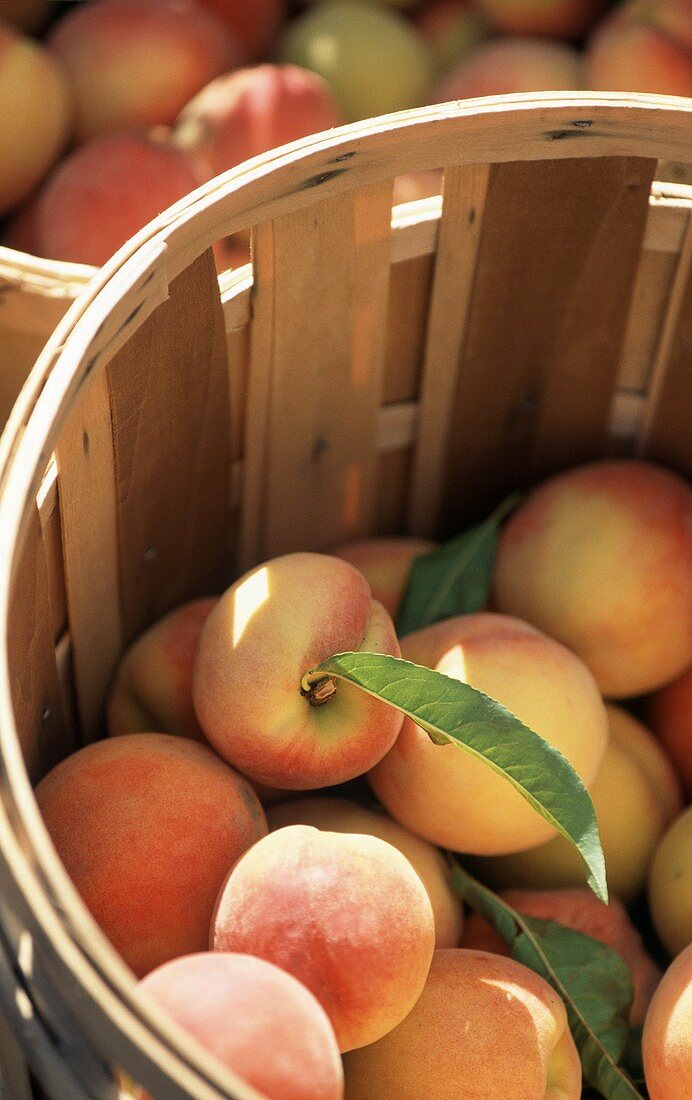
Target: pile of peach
<point>285,919</point>
<point>122,107</point>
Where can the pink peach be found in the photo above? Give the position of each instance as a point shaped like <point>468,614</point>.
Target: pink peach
<point>250,111</point>
<point>147,827</point>
<point>643,46</point>
<point>344,913</point>
<point>132,63</point>
<point>104,192</point>
<point>274,625</point>
<point>386,564</point>
<point>256,1019</point>
<point>505,65</point>
<point>484,1027</point>
<point>451,798</point>
<point>152,689</point>
<point>600,557</point>
<point>666,1046</point>
<point>341,815</point>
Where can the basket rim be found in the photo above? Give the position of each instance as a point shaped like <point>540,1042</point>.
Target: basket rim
<point>145,266</point>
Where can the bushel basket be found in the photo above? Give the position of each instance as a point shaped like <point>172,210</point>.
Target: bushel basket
<point>372,371</point>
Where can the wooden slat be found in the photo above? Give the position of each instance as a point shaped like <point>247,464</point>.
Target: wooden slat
<point>330,281</point>
<point>169,401</point>
<point>85,461</point>
<point>393,479</point>
<point>558,255</point>
<point>649,303</point>
<point>455,267</point>
<point>409,293</point>
<point>35,690</point>
<point>666,435</point>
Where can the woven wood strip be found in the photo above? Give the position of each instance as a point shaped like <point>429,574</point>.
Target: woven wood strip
<point>170,409</point>
<point>557,260</point>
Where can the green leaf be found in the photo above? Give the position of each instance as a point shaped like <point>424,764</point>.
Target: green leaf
<point>592,979</point>
<point>452,712</point>
<point>453,579</point>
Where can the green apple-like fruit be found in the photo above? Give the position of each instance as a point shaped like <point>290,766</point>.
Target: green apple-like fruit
<point>374,59</point>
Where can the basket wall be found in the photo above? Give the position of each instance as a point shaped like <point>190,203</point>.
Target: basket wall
<point>373,371</point>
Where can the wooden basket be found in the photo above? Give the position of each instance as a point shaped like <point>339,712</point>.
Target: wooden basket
<point>369,373</point>
<point>34,295</point>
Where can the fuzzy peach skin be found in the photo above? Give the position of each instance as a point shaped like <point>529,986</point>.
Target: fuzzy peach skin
<point>600,557</point>
<point>272,626</point>
<point>666,1044</point>
<point>635,796</point>
<point>669,712</point>
<point>152,689</point>
<point>147,827</point>
<point>643,46</point>
<point>386,564</point>
<point>253,25</point>
<point>250,111</point>
<point>505,65</point>
<point>35,117</point>
<point>580,910</point>
<point>255,1019</point>
<point>106,191</point>
<point>484,1027</point>
<point>670,885</point>
<point>132,63</point>
<point>554,18</point>
<point>341,815</point>
<point>344,913</point>
<point>454,800</point>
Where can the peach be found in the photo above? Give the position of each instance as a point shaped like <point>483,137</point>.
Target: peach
<point>148,826</point>
<point>670,885</point>
<point>635,796</point>
<point>133,63</point>
<point>669,712</point>
<point>666,1046</point>
<point>452,28</point>
<point>505,65</point>
<point>484,1027</point>
<point>449,797</point>
<point>275,624</point>
<point>386,565</point>
<point>250,111</point>
<point>341,815</point>
<point>344,913</point>
<point>105,192</point>
<point>556,19</point>
<point>152,689</point>
<point>375,60</point>
<point>643,46</point>
<point>256,1019</point>
<point>580,910</point>
<point>600,557</point>
<point>35,118</point>
<point>253,25</point>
